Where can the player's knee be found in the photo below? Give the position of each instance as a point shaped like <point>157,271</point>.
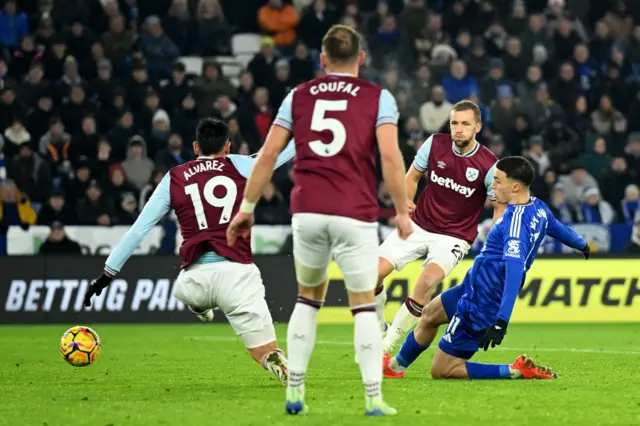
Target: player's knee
<point>432,316</point>
<point>440,371</point>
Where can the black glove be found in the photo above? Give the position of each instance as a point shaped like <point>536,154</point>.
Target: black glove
<point>586,251</point>
<point>494,335</point>
<point>96,288</point>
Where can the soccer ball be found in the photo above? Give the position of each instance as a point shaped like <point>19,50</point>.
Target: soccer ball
<point>80,346</point>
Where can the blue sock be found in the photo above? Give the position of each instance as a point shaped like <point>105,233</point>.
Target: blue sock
<point>478,371</point>
<point>410,351</point>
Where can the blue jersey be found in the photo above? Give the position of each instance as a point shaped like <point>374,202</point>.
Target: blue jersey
<point>498,272</point>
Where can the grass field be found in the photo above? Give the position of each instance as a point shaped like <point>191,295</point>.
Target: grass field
<point>200,374</point>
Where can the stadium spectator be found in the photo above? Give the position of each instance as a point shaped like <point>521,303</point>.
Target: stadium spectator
<point>174,90</point>
<point>631,203</point>
<point>576,183</point>
<point>214,32</point>
<point>272,207</point>
<point>31,173</point>
<point>262,66</point>
<point>210,85</point>
<point>180,26</point>
<point>145,193</point>
<point>15,210</point>
<point>14,25</point>
<point>58,242</point>
<point>634,245</point>
<point>281,85</point>
<point>255,119</point>
<point>302,66</point>
<point>95,208</point>
<point>594,210</point>
<point>632,152</point>
<point>173,154</point>
<point>118,42</point>
<point>315,22</point>
<point>559,206</point>
<point>14,137</point>
<point>279,21</point>
<point>536,154</point>
<point>489,84</point>
<point>56,210</point>
<point>225,108</point>
<point>596,159</point>
<point>434,114</point>
<point>138,167</point>
<point>23,57</point>
<point>504,110</point>
<point>159,50</point>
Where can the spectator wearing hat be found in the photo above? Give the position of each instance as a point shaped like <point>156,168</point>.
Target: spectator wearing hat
<point>15,210</point>
<point>434,114</point>
<point>118,42</point>
<point>490,84</point>
<point>95,208</point>
<point>160,132</point>
<point>15,136</point>
<point>594,210</point>
<point>58,243</point>
<point>103,87</point>
<point>138,167</point>
<point>281,85</point>
<point>279,21</point>
<point>176,88</point>
<point>14,25</point>
<point>576,183</point>
<point>56,209</point>
<point>263,64</point>
<point>630,204</point>
<point>538,157</point>
<point>159,50</point>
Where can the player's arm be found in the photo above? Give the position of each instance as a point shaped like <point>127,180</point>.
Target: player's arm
<point>245,163</point>
<point>418,168</point>
<point>566,235</point>
<point>155,209</point>
<point>390,156</point>
<point>498,209</point>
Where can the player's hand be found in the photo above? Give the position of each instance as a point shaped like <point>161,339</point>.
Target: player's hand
<point>96,288</point>
<point>494,335</point>
<point>239,226</point>
<point>586,251</point>
<point>412,206</point>
<point>404,226</point>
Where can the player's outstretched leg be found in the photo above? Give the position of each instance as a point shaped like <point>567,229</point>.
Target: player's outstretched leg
<point>301,339</point>
<point>409,313</point>
<point>204,315</point>
<point>384,269</point>
<point>435,314</point>
<point>270,357</point>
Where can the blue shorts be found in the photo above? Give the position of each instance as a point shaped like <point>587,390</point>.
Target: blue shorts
<point>460,340</point>
<point>450,299</point>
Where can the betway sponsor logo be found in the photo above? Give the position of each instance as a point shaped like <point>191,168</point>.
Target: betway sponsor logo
<point>68,295</point>
<point>452,184</point>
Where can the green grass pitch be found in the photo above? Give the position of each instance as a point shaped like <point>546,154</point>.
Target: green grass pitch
<point>200,374</point>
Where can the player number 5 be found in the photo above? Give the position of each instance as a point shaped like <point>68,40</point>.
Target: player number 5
<point>319,123</point>
<point>225,202</point>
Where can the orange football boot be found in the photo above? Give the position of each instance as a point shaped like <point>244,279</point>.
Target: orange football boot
<point>530,370</point>
<point>387,371</point>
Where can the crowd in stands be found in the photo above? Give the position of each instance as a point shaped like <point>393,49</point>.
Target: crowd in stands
<point>96,104</point>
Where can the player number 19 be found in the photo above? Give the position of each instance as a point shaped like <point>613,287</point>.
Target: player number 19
<point>225,202</point>
<point>319,123</point>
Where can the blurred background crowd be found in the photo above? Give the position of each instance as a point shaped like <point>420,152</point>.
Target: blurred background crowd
<point>99,98</point>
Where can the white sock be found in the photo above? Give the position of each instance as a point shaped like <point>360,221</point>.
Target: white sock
<point>301,339</point>
<point>403,322</point>
<point>368,345</point>
<point>381,300</point>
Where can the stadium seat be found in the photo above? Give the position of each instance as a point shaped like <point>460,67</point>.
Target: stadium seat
<point>248,44</point>
<point>244,60</point>
<point>193,64</point>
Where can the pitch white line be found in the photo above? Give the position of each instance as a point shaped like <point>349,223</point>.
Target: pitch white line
<point>500,348</point>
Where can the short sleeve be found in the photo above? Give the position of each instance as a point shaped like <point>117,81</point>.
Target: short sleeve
<point>387,109</point>
<point>488,180</point>
<point>284,117</point>
<point>421,160</point>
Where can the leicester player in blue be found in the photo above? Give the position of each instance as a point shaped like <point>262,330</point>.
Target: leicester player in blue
<point>480,308</point>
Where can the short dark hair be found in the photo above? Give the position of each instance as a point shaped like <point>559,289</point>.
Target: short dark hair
<point>467,105</point>
<point>517,168</point>
<point>341,44</point>
<point>211,136</point>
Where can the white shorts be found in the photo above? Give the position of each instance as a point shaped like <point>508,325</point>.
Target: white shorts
<point>442,250</point>
<point>238,291</point>
<point>353,244</point>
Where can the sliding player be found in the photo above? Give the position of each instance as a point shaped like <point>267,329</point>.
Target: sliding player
<point>459,172</point>
<point>481,316</point>
<point>205,193</point>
